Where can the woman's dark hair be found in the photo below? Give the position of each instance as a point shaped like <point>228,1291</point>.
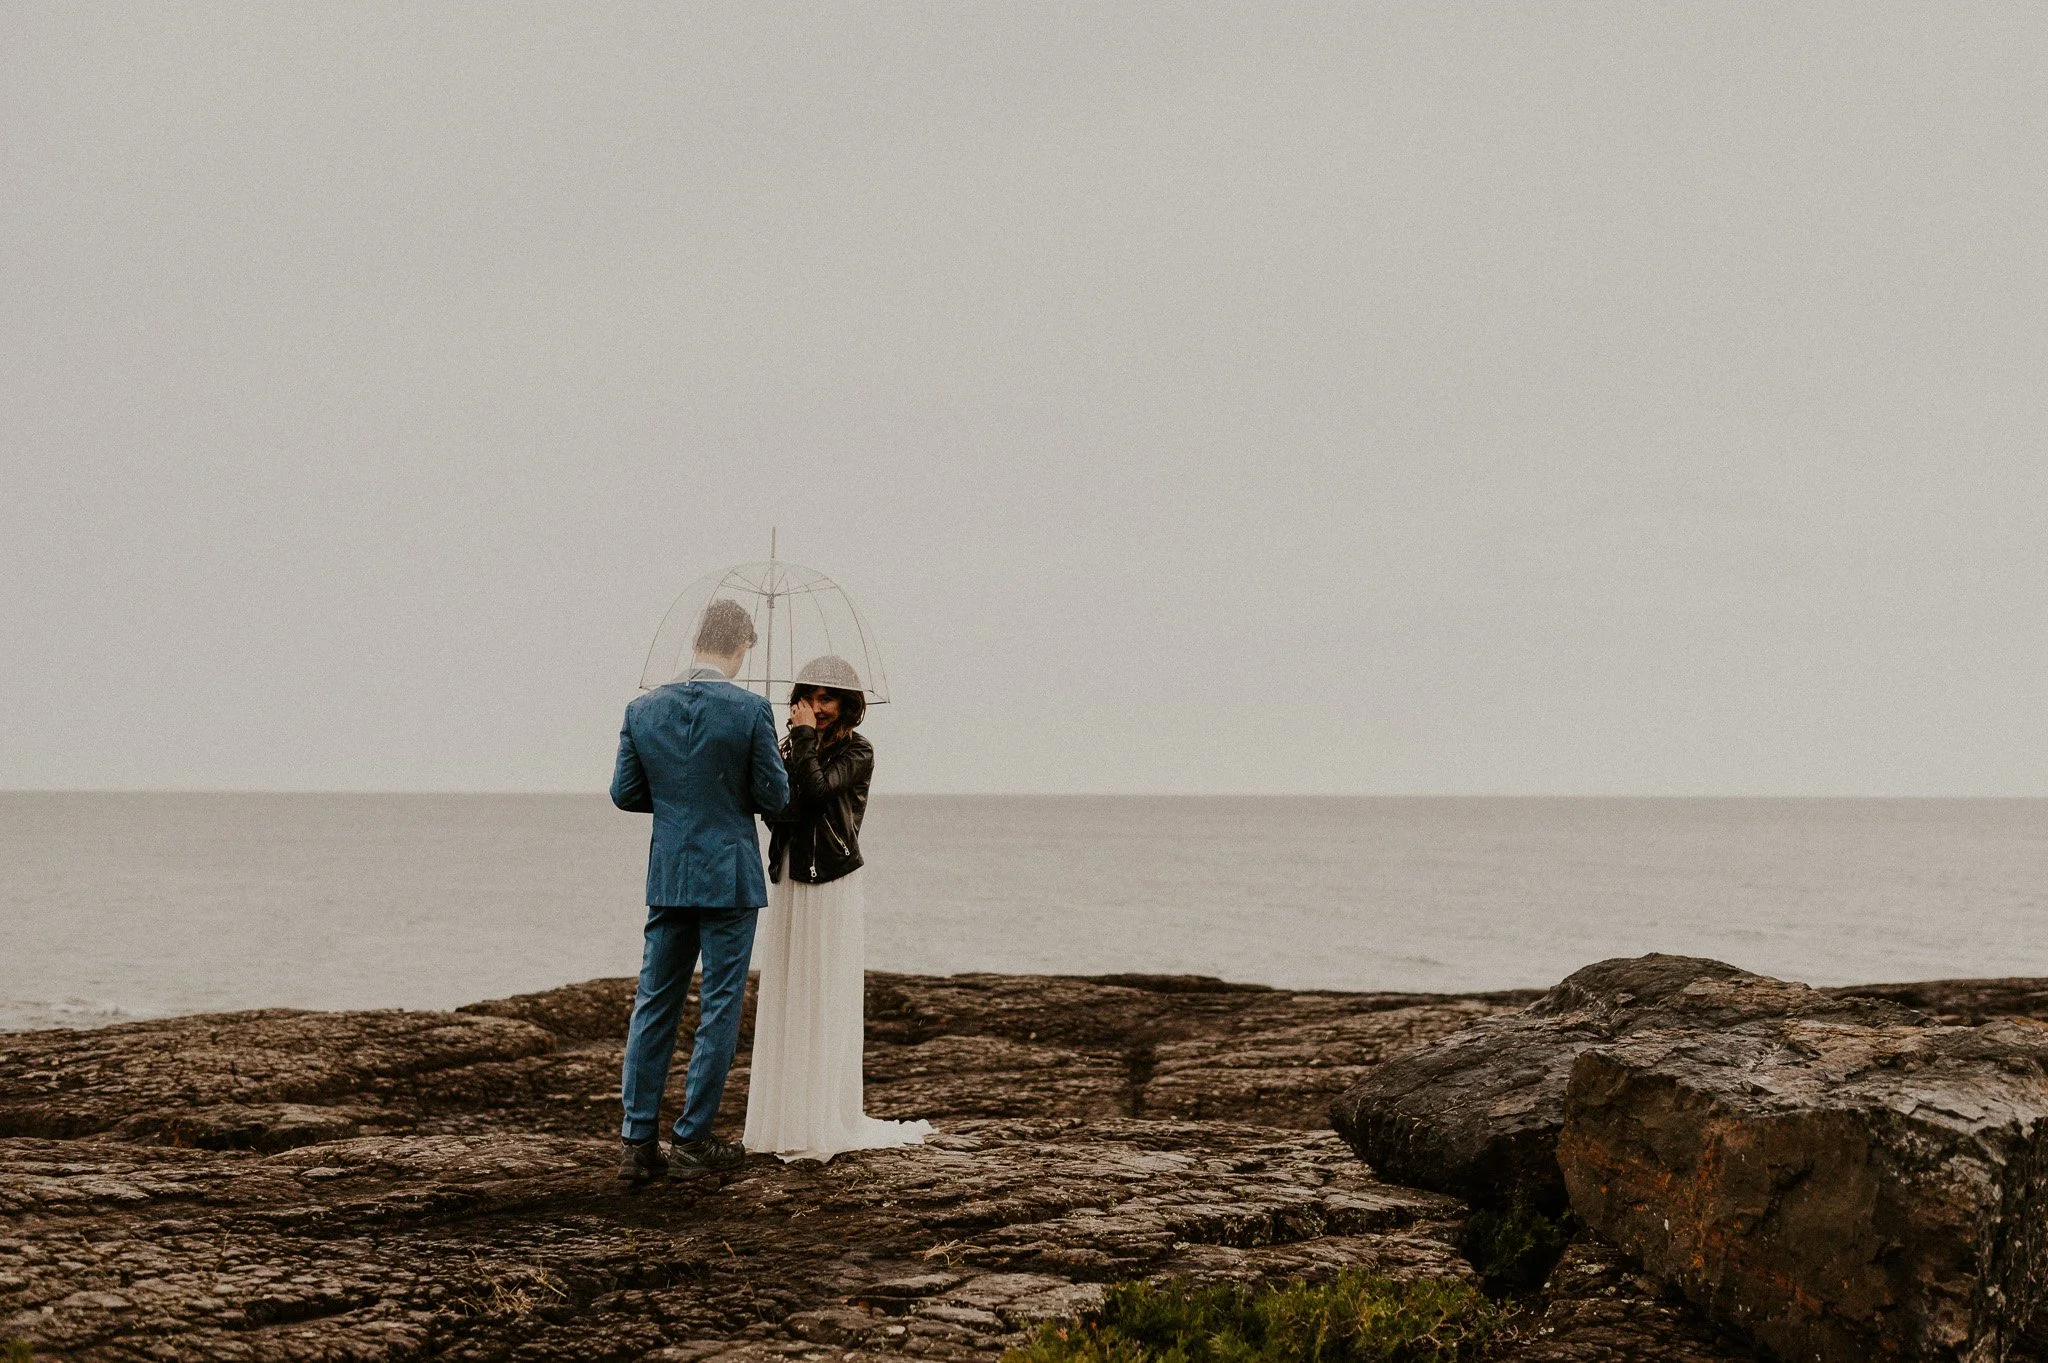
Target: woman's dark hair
<point>853,705</point>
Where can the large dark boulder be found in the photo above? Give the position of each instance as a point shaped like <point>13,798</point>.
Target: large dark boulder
<point>1834,1173</point>
<point>1841,1191</point>
<point>1477,1114</point>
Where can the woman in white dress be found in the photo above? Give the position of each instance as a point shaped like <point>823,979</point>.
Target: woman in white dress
<point>804,1090</point>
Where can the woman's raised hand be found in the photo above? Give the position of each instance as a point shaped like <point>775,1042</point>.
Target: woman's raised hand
<point>802,716</point>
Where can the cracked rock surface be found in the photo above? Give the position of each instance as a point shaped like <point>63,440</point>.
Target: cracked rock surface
<point>503,1245</point>
<point>399,1185</point>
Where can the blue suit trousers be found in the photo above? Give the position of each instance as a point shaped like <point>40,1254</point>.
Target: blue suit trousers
<point>675,937</point>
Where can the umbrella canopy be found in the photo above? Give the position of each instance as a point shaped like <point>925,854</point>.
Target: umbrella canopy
<point>806,626</point>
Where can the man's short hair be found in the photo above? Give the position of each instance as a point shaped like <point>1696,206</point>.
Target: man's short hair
<point>725,630</point>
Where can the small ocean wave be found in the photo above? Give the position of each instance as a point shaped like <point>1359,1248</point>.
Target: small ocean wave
<point>36,1015</point>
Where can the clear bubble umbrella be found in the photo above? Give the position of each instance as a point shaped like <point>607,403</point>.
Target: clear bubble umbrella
<point>807,629</point>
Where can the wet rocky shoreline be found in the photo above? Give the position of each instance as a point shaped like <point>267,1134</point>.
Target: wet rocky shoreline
<point>388,1185</point>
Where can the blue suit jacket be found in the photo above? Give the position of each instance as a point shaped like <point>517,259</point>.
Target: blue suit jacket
<point>701,757</point>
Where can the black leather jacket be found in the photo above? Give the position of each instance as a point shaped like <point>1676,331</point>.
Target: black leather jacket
<point>828,793</point>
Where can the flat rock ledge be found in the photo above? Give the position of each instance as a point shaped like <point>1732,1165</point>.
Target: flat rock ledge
<point>411,1185</point>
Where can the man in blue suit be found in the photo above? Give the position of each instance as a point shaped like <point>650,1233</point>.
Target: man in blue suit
<point>700,756</point>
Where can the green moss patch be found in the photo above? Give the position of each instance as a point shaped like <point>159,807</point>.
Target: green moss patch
<point>1359,1318</point>
<point>1514,1248</point>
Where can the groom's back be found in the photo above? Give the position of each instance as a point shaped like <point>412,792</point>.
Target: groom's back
<point>701,757</point>
<point>691,735</point>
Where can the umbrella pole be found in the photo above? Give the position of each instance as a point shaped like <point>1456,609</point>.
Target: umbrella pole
<point>768,662</point>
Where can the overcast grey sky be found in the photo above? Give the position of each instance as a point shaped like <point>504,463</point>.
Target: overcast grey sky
<point>1546,398</point>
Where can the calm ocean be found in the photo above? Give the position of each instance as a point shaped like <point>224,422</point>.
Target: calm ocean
<point>118,906</point>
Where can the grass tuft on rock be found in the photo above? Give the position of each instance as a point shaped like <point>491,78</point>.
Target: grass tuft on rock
<point>1514,1248</point>
<point>20,1351</point>
<point>1359,1318</point>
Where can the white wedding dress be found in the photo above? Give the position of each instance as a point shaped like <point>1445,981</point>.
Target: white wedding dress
<point>804,1090</point>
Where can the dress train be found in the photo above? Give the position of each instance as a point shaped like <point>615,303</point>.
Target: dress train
<point>804,1089</point>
